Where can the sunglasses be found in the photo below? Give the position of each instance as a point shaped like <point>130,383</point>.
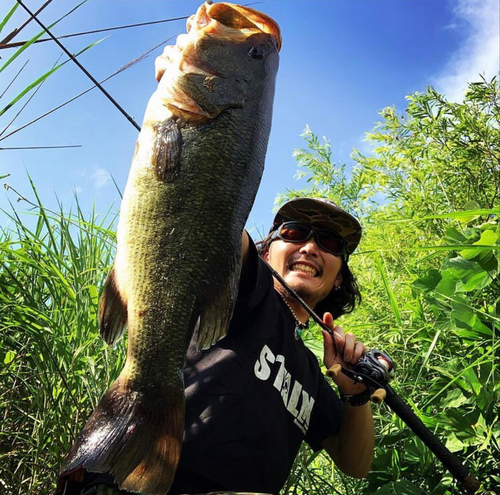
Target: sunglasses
<point>297,232</point>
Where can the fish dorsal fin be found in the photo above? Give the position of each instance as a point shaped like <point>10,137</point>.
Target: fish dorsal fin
<point>217,309</point>
<point>112,311</point>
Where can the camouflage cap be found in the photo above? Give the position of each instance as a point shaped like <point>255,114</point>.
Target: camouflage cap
<point>324,214</point>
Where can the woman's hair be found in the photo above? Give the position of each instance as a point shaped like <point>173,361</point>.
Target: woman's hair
<point>338,302</point>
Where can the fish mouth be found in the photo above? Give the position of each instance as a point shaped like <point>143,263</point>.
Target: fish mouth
<point>230,21</point>
<point>224,21</point>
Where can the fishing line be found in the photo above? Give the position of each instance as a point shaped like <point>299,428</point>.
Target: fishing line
<point>42,147</point>
<point>81,67</point>
<point>15,77</point>
<point>4,43</point>
<point>85,71</point>
<point>103,30</point>
<point>121,69</point>
<point>4,130</point>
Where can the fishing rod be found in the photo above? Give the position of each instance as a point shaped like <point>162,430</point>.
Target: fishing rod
<point>374,370</point>
<point>80,66</point>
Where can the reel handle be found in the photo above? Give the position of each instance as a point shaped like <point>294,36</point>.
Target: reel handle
<point>378,395</point>
<point>334,371</point>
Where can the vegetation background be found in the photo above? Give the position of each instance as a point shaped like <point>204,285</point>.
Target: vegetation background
<point>428,196</point>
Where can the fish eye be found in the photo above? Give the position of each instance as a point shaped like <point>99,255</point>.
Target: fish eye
<point>256,52</point>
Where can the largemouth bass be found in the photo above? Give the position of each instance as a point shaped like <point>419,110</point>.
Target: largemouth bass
<point>194,176</point>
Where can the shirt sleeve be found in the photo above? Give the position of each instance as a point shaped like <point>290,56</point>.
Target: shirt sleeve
<point>256,288</point>
<point>327,415</point>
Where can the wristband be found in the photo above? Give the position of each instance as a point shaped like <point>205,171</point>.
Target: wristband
<point>356,399</point>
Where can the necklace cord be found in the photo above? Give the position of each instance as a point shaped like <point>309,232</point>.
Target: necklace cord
<point>294,294</point>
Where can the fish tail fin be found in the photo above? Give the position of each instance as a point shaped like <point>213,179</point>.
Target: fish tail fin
<point>135,439</point>
<point>112,311</point>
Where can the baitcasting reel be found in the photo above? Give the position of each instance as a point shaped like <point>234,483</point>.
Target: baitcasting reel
<point>376,365</point>
<point>374,369</point>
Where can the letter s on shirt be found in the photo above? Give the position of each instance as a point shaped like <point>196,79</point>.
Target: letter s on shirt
<point>262,369</point>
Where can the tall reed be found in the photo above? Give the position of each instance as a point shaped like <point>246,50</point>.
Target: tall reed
<point>53,364</point>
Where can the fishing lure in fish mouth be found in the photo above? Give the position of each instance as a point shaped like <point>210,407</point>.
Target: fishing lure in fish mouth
<point>194,176</point>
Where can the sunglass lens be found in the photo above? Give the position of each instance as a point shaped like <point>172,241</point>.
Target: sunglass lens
<point>332,244</point>
<point>295,232</point>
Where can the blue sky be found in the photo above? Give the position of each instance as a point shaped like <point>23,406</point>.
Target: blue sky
<point>342,61</point>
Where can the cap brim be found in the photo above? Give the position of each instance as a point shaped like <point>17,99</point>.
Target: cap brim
<point>324,214</point>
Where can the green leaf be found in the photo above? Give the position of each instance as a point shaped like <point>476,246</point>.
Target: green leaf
<point>474,281</point>
<point>9,357</point>
<point>429,281</point>
<point>26,45</point>
<point>5,20</point>
<point>403,487</point>
<point>472,207</point>
<point>465,317</point>
<point>444,321</point>
<point>453,443</point>
<point>459,267</point>
<point>469,274</point>
<point>42,78</point>
<point>415,451</point>
<point>471,377</point>
<point>388,289</point>
<point>489,263</point>
<point>453,235</point>
<point>459,215</point>
<point>454,399</point>
<point>446,286</point>
<point>488,238</point>
<point>94,293</point>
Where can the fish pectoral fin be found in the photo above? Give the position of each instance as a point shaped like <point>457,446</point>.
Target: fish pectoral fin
<point>112,311</point>
<point>217,309</point>
<point>167,148</point>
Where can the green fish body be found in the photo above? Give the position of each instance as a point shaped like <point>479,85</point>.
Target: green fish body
<point>194,176</point>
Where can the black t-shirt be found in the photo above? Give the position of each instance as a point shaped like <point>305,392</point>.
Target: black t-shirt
<point>251,399</point>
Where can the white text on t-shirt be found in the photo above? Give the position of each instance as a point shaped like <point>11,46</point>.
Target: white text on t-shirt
<point>291,394</point>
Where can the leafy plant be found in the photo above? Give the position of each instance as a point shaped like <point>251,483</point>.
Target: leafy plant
<point>53,365</point>
<point>428,268</point>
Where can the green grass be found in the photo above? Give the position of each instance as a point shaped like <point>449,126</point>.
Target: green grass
<point>53,364</point>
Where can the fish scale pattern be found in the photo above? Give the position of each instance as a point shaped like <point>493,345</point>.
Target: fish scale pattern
<point>192,183</point>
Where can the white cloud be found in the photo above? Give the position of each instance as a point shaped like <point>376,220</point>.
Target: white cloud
<point>480,52</point>
<point>364,146</point>
<point>100,177</point>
